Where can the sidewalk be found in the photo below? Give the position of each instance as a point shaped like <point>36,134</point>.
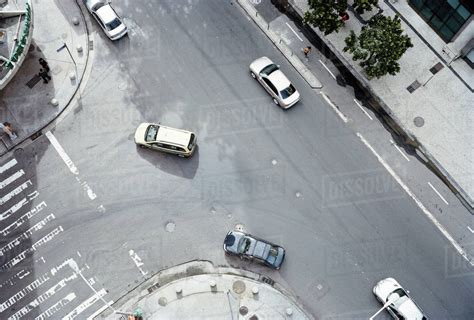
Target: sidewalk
<point>199,290</point>
<point>437,117</point>
<point>26,101</point>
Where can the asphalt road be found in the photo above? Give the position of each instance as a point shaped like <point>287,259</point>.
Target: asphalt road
<point>276,172</point>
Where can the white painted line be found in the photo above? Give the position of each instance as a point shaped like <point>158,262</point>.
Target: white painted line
<point>102,309</point>
<point>339,113</point>
<point>363,109</point>
<point>439,194</point>
<point>138,261</point>
<point>16,191</point>
<point>42,298</point>
<point>33,248</point>
<point>22,219</point>
<point>399,150</point>
<point>19,275</point>
<point>472,231</point>
<point>294,32</point>
<point>76,269</point>
<point>25,235</point>
<point>428,214</point>
<point>23,292</point>
<point>332,74</point>
<point>86,304</point>
<point>79,254</point>
<point>11,178</point>
<point>8,165</point>
<point>62,153</point>
<point>56,307</point>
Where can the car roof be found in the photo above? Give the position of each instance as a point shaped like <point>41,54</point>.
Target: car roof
<point>106,13</point>
<point>172,135</point>
<point>280,81</point>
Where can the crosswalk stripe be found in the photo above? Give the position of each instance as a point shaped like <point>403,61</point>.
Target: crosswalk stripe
<point>16,191</point>
<point>56,307</point>
<point>40,206</point>
<point>11,178</point>
<point>8,165</point>
<point>86,304</point>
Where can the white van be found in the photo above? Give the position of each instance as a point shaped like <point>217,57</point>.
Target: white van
<point>166,139</point>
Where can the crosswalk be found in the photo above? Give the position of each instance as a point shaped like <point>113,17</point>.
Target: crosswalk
<point>36,281</point>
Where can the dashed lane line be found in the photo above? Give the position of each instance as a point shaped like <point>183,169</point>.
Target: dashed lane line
<point>336,109</point>
<point>327,69</point>
<point>399,150</point>
<point>294,31</point>
<point>428,214</point>
<point>439,194</point>
<point>362,108</point>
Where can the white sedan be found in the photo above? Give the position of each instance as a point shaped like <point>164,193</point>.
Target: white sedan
<point>402,305</point>
<point>275,82</point>
<point>107,18</point>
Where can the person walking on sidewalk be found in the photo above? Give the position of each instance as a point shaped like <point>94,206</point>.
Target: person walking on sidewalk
<point>8,129</point>
<point>307,51</point>
<point>44,64</point>
<point>44,75</point>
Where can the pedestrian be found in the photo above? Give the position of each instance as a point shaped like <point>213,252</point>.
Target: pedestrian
<point>44,64</point>
<point>344,16</point>
<point>8,129</point>
<point>306,51</point>
<point>44,75</point>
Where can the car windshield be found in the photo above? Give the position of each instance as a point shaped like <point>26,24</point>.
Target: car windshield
<point>113,24</point>
<point>272,255</point>
<point>288,92</point>
<point>269,69</point>
<point>151,133</point>
<point>244,245</point>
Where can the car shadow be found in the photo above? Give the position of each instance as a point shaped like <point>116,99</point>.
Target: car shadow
<point>170,163</point>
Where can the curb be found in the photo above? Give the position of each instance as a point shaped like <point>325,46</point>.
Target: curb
<point>190,269</point>
<point>33,136</point>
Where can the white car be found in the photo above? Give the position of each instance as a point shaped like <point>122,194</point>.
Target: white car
<point>166,139</point>
<point>107,18</point>
<point>275,82</point>
<point>402,306</point>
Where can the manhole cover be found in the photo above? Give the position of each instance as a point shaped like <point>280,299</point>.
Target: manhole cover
<point>239,227</point>
<point>419,121</point>
<point>238,287</point>
<point>170,226</point>
<point>243,310</point>
<point>162,301</point>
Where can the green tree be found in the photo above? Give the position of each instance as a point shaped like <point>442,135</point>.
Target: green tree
<point>380,45</point>
<point>361,5</point>
<point>324,14</point>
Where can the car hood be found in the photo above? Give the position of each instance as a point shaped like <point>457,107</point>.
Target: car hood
<point>234,247</point>
<point>385,287</point>
<point>260,63</point>
<point>140,133</point>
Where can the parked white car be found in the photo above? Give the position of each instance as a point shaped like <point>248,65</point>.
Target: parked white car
<point>275,82</point>
<point>107,18</point>
<point>402,306</point>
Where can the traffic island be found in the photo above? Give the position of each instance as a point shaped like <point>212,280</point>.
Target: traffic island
<point>200,290</point>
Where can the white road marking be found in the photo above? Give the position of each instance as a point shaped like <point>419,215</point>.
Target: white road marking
<point>363,109</point>
<point>439,194</point>
<point>88,189</point>
<point>25,235</point>
<point>19,275</point>
<point>138,261</point>
<point>8,165</point>
<point>62,153</point>
<point>428,214</point>
<point>294,32</point>
<point>399,150</point>
<point>332,74</point>
<point>16,191</point>
<point>11,178</point>
<point>23,218</point>
<point>102,309</point>
<point>23,292</point>
<point>86,304</point>
<point>56,307</point>
<point>472,231</point>
<point>339,113</point>
<point>35,246</point>
<point>42,298</point>
<point>79,254</point>
<point>75,267</point>
<point>13,209</point>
